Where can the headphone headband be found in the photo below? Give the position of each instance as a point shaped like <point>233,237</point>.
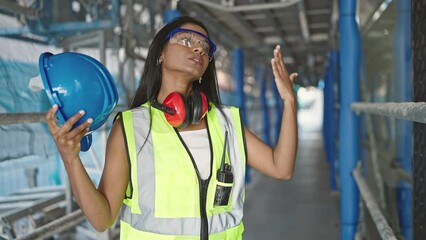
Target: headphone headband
<point>163,108</point>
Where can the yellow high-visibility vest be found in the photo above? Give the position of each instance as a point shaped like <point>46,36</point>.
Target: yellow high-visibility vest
<point>166,199</point>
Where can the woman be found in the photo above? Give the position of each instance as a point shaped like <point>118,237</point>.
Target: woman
<point>175,162</point>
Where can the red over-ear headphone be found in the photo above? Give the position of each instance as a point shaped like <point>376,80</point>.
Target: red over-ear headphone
<point>181,111</point>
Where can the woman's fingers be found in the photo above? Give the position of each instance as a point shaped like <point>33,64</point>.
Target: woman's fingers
<point>74,137</point>
<point>282,70</point>
<point>293,77</point>
<point>71,121</point>
<point>66,134</point>
<point>80,130</point>
<point>51,119</point>
<point>283,80</point>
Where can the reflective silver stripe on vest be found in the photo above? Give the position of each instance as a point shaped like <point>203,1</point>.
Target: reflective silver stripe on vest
<point>146,181</point>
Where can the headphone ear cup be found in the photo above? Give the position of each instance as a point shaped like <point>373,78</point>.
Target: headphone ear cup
<point>205,104</point>
<point>199,103</point>
<point>194,100</point>
<point>177,102</point>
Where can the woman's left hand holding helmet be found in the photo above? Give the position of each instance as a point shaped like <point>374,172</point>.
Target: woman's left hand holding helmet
<point>283,80</point>
<point>66,138</point>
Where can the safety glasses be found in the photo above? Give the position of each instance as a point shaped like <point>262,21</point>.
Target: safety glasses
<point>191,38</point>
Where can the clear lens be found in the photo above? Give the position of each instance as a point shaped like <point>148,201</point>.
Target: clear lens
<point>191,39</point>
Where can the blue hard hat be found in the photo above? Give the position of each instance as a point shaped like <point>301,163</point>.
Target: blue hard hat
<point>75,82</point>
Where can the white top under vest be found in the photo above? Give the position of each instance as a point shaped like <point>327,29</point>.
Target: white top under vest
<point>197,142</point>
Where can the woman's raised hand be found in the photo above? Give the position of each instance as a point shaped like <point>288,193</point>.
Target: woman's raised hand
<point>283,80</point>
<point>67,140</point>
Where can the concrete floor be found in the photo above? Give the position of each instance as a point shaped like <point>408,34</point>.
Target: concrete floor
<point>302,208</point>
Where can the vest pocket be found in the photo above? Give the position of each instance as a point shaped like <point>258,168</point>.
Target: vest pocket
<point>176,198</point>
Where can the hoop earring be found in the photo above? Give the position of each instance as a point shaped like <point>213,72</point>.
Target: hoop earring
<point>159,61</point>
<point>199,80</point>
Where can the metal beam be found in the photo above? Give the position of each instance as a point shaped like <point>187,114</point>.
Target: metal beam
<point>58,28</point>
<point>226,37</point>
<point>89,39</point>
<point>19,118</point>
<point>16,8</point>
<point>245,8</point>
<point>380,221</point>
<point>375,16</point>
<point>414,111</point>
<point>56,226</point>
<point>15,214</point>
<point>303,20</point>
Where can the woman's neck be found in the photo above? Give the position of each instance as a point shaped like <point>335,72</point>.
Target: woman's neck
<point>168,87</point>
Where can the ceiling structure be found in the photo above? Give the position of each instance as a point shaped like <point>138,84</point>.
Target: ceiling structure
<point>306,29</point>
<point>303,28</point>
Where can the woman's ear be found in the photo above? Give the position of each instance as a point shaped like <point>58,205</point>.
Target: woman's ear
<point>161,58</point>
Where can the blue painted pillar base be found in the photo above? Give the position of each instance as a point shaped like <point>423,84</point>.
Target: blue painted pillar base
<point>404,199</point>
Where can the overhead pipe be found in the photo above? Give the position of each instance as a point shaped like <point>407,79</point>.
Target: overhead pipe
<point>349,42</point>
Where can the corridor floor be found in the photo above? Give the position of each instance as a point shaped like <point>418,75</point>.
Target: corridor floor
<point>302,208</point>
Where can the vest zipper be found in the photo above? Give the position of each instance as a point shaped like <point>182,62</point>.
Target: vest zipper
<point>203,186</point>
<point>204,233</point>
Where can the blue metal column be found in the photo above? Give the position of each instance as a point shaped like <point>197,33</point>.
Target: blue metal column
<point>349,42</point>
<point>404,93</point>
<point>170,14</point>
<point>326,114</point>
<point>328,123</point>
<point>278,112</point>
<point>264,105</point>
<point>238,75</point>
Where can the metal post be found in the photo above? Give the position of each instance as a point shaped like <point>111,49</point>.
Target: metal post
<point>349,42</point>
<point>238,75</point>
<point>264,105</point>
<point>404,129</point>
<point>328,123</point>
<point>278,112</point>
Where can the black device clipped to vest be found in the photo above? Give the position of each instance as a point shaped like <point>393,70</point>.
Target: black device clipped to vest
<point>225,179</point>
